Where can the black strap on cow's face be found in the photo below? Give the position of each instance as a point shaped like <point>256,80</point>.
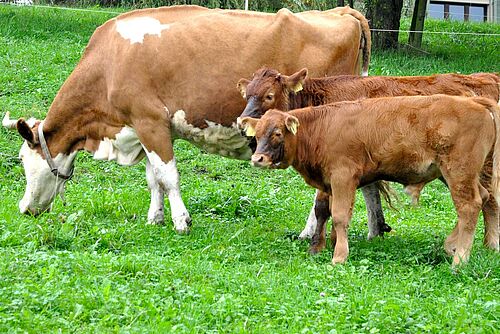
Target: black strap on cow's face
<point>46,154</point>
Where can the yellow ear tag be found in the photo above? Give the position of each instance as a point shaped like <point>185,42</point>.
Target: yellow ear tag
<point>298,87</point>
<point>293,128</point>
<point>250,131</point>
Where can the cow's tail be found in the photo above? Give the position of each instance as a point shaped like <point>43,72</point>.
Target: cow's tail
<point>387,193</point>
<point>366,37</point>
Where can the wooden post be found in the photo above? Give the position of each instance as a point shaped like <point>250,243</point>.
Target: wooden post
<point>340,3</point>
<point>417,23</point>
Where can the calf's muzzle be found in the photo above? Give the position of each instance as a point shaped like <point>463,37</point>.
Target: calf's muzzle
<point>261,160</point>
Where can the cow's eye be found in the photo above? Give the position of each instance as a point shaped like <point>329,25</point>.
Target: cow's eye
<point>269,97</point>
<point>278,133</point>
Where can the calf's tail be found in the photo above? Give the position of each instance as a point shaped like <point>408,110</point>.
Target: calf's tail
<point>366,37</point>
<point>495,179</point>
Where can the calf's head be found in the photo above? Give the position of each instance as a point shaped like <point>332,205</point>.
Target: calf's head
<point>269,89</point>
<point>276,138</point>
<point>42,183</point>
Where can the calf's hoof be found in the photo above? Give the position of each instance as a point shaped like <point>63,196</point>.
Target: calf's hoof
<point>492,244</point>
<point>338,260</point>
<point>305,234</point>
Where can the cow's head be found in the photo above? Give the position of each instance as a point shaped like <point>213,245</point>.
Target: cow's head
<point>269,89</point>
<point>42,182</point>
<point>276,138</point>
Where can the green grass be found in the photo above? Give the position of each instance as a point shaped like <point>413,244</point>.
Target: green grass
<point>95,266</point>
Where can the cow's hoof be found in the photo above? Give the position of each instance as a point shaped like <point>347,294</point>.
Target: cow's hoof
<point>313,250</point>
<point>385,228</point>
<point>182,224</point>
<point>156,221</point>
<point>304,235</point>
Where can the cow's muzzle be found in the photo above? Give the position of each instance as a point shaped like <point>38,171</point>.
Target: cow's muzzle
<point>252,109</point>
<point>261,160</point>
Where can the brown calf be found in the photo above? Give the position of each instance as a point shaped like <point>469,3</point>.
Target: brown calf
<point>342,146</point>
<point>271,90</point>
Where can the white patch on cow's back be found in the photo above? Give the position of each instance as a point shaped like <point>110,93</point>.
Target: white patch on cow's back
<point>215,138</point>
<point>125,149</point>
<point>135,29</point>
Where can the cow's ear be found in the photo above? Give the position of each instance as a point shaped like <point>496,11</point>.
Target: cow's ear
<point>248,125</point>
<point>242,87</point>
<point>292,124</point>
<point>296,81</point>
<point>25,131</point>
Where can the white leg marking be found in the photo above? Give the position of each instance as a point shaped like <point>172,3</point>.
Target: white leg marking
<point>167,177</point>
<point>156,214</point>
<point>310,227</point>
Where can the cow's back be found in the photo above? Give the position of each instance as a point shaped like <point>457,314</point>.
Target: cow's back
<point>193,65</point>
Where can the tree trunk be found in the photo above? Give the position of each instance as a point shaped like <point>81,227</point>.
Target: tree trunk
<point>385,15</point>
<point>417,23</point>
<point>341,3</point>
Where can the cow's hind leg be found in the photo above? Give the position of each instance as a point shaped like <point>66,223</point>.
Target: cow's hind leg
<point>322,212</point>
<point>317,210</point>
<point>376,220</point>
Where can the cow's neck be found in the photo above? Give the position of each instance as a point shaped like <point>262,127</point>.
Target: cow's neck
<point>312,94</point>
<point>67,132</point>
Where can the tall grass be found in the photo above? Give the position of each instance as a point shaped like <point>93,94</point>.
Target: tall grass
<point>93,265</point>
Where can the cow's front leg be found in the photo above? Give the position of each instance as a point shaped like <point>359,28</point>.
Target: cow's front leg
<point>162,173</point>
<point>156,212</point>
<point>167,177</point>
<point>376,220</point>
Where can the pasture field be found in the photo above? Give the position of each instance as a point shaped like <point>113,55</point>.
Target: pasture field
<point>93,265</point>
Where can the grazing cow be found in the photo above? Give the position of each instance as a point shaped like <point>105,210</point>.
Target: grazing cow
<point>271,90</point>
<point>151,76</point>
<point>342,146</point>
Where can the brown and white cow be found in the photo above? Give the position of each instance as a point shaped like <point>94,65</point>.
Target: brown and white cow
<point>342,146</point>
<point>151,76</point>
<point>269,89</point>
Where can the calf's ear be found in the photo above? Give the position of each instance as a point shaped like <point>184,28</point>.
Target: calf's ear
<point>292,124</point>
<point>295,81</point>
<point>242,87</point>
<point>248,124</point>
<point>26,132</point>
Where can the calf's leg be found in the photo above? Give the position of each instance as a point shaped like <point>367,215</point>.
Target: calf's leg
<point>376,220</point>
<point>343,195</point>
<point>490,208</point>
<point>467,200</point>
